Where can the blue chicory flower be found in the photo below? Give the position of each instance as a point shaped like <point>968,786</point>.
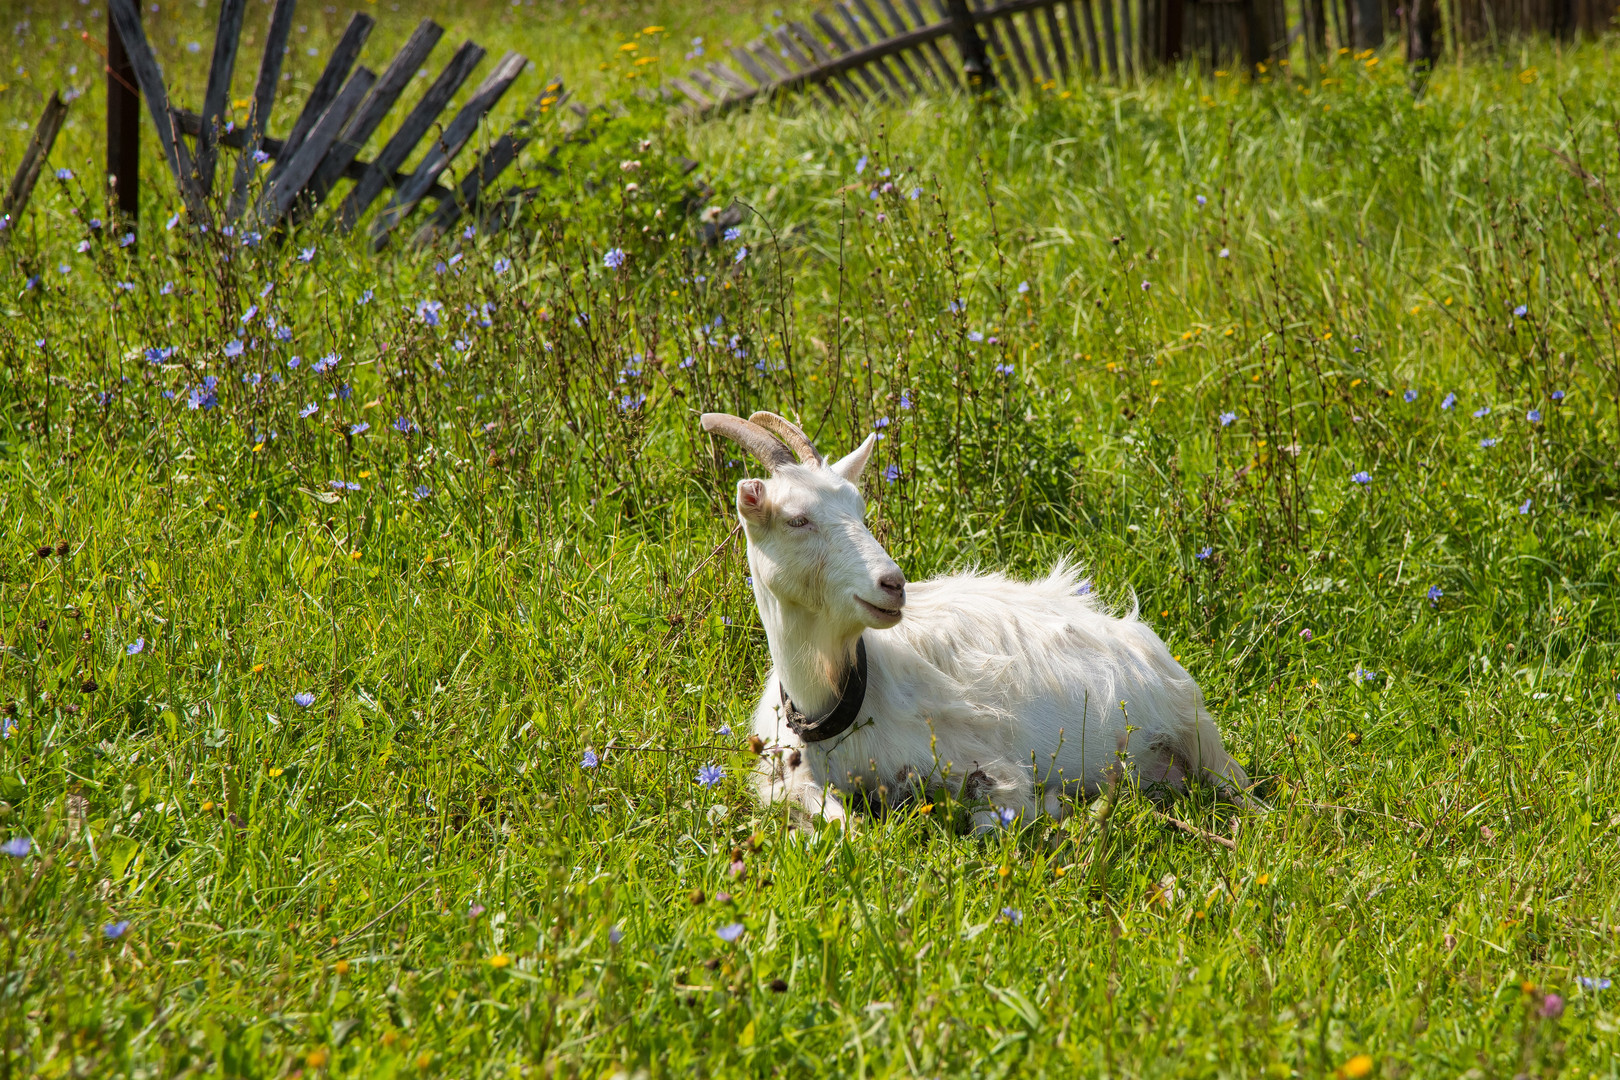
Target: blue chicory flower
<point>303,699</point>
<point>17,847</point>
<point>1450,400</point>
<point>613,259</point>
<point>1435,594</point>
<point>730,932</point>
<point>710,775</point>
<point>135,647</point>
<point>1361,477</point>
<point>590,760</point>
<point>115,930</point>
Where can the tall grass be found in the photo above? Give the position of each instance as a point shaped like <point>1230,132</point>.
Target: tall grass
<point>363,739</point>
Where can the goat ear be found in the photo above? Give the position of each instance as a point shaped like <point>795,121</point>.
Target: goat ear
<point>751,500</point>
<point>850,465</point>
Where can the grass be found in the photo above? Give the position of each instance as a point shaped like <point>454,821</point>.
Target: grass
<point>1214,295</point>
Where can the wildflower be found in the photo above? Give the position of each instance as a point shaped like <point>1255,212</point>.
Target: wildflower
<point>157,354</point>
<point>173,221</point>
<point>1486,444</point>
<point>1305,634</point>
<point>1206,553</point>
<point>499,960</point>
<point>975,335</point>
<point>294,361</point>
<point>742,253</point>
<point>1552,1007</point>
<point>64,174</point>
<point>1146,286</point>
<point>1012,915</point>
<point>404,425</point>
<point>632,402</point>
<point>365,297</point>
<point>260,157</point>
<point>303,699</point>
<point>84,246</point>
<point>502,265</point>
<point>1083,588</point>
<point>166,288</point>
<point>114,931</point>
<point>250,239</point>
<point>1007,815</point>
<point>360,428</point>
<point>589,760</point>
<point>615,935</point>
<point>420,492</point>
<point>733,233</point>
<point>1357,1067</point>
<point>1520,311</point>
<point>1226,418</point>
<point>860,166</point>
<point>135,647</point>
<point>614,258</point>
<point>428,311</point>
<point>1592,983</point>
<point>1361,675</point>
<point>1435,594</point>
<point>1557,395</point>
<point>1482,411</point>
<point>1023,286</point>
<point>1525,508</point>
<point>122,286</point>
<point>1224,252</point>
<point>17,847</point>
<point>325,363</point>
<point>710,775</point>
<point>1361,477</point>
<point>1004,369</point>
<point>439,267</point>
<point>891,473</point>
<point>126,240</point>
<point>308,411</point>
<point>1534,416</point>
<point>461,344</point>
<point>203,395</point>
<point>730,932</point>
<point>306,255</point>
<point>1410,396</point>
<point>905,399</point>
<point>914,193</point>
<point>233,348</point>
<point>1451,399</point>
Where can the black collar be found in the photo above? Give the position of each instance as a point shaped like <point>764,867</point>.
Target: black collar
<point>850,697</point>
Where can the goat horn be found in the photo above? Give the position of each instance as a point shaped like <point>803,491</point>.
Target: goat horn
<point>751,437</point>
<point>790,434</point>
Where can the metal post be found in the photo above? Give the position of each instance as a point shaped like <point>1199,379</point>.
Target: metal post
<point>123,129</point>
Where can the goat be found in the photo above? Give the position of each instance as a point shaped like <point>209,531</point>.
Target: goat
<point>1017,696</point>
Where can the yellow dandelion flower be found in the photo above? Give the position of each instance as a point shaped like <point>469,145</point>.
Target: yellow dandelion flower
<point>253,516</point>
<point>652,30</point>
<point>647,60</point>
<point>926,808</point>
<point>1263,879</point>
<point>1357,1067</point>
<point>277,771</point>
<point>316,1058</point>
<point>424,1059</point>
<point>629,46</point>
<point>257,668</point>
<point>354,555</point>
<point>207,806</point>
<point>1003,871</point>
<point>499,960</point>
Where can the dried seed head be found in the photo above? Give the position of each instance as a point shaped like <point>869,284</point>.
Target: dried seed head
<point>756,744</point>
<point>89,686</point>
<point>778,986</point>
<point>697,896</point>
<point>62,548</point>
<point>794,758</point>
<point>44,552</point>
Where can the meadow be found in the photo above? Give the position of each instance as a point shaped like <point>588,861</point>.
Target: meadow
<point>367,619</point>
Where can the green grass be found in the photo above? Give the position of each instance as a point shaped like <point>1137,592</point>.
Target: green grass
<point>416,875</point>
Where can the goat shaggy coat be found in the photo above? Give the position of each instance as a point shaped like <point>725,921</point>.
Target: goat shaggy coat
<point>1011,694</point>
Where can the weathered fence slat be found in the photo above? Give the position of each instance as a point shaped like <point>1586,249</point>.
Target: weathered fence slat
<point>765,55</point>
<point>126,21</point>
<point>1059,52</point>
<point>820,55</point>
<point>33,160</point>
<point>1093,48</point>
<point>699,98</point>
<point>729,77</point>
<point>218,95</point>
<point>378,175</point>
<point>841,43</point>
<point>1127,41</point>
<point>264,96</point>
<point>494,161</point>
<point>449,144</point>
<point>932,49</point>
<point>854,19</point>
<point>280,193</point>
<point>123,129</point>
<point>369,117</point>
<point>1110,41</point>
<point>803,61</point>
<point>325,91</point>
<point>751,66</point>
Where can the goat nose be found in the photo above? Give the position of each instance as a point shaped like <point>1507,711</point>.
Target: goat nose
<point>893,583</point>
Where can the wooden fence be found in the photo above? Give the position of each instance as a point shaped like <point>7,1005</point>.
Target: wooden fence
<point>856,51</point>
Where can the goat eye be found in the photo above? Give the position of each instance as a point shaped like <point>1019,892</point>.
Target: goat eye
<point>798,522</point>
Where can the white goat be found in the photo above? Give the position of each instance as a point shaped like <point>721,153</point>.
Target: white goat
<point>1011,694</point>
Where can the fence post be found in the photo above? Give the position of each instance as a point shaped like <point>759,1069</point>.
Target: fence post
<point>123,129</point>
<point>1172,15</point>
<point>1422,28</point>
<point>975,60</point>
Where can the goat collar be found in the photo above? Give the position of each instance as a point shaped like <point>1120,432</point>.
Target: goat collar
<point>844,712</point>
